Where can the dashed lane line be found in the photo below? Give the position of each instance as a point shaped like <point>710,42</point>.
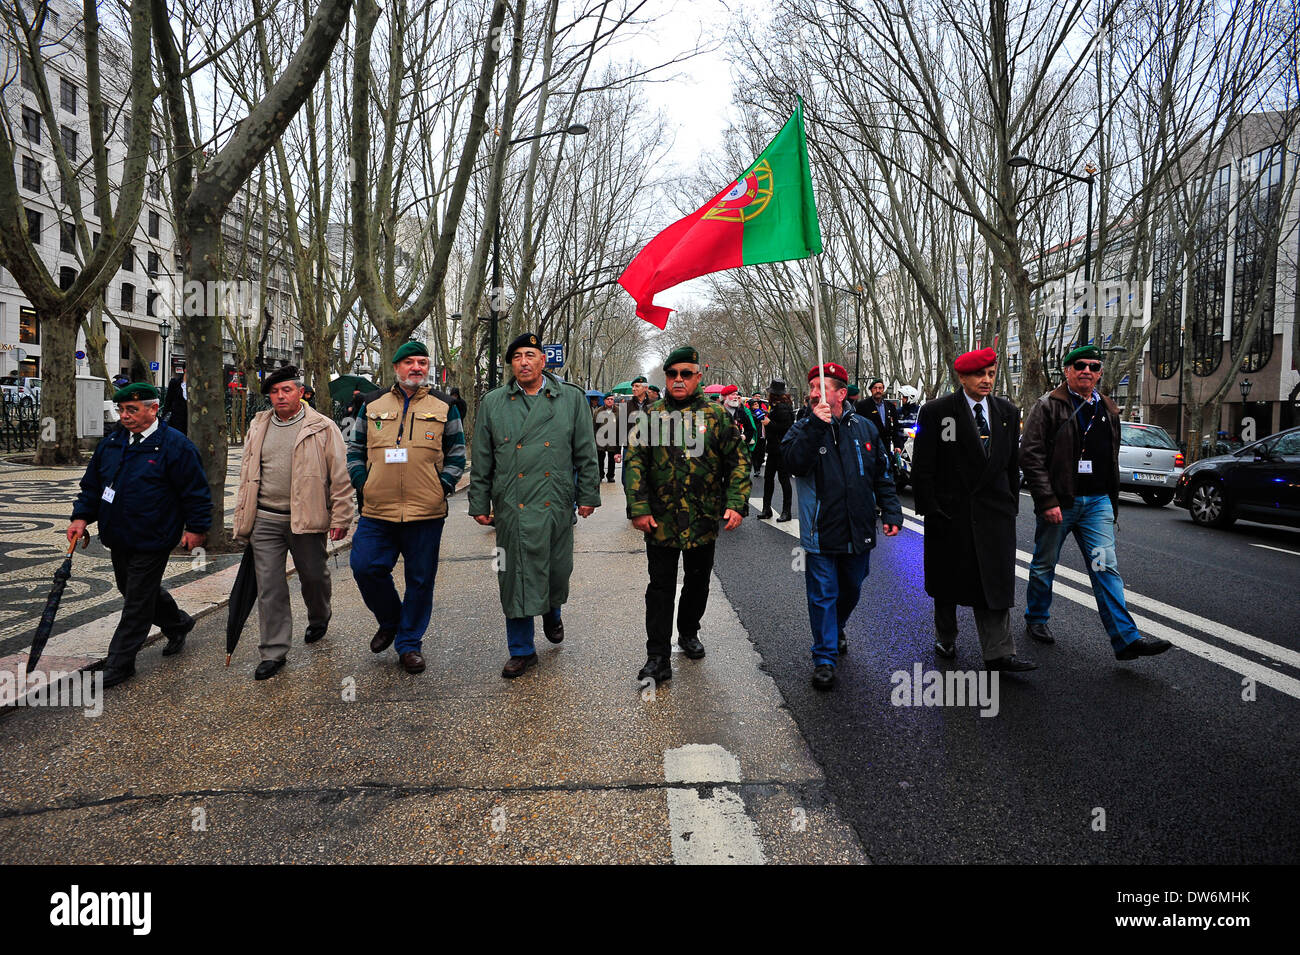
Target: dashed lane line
<point>709,825</point>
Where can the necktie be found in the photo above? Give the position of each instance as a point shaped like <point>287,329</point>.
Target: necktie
<point>135,438</point>
<point>983,427</point>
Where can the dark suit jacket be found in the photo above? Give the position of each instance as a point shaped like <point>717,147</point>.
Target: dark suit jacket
<point>969,501</point>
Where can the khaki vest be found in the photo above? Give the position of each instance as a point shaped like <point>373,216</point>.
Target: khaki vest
<point>409,491</point>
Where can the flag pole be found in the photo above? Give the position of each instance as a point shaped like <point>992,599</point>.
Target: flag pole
<point>817,328</point>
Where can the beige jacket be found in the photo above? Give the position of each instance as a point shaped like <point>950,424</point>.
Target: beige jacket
<point>321,496</point>
<point>413,491</point>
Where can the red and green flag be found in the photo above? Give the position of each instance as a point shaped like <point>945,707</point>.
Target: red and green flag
<point>766,215</point>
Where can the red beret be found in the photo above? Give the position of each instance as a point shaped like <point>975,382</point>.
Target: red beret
<point>830,370</point>
<point>975,361</point>
<point>728,390</point>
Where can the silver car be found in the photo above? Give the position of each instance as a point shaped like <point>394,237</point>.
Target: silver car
<point>1150,464</point>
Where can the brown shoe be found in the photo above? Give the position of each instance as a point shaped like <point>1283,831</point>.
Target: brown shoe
<point>413,661</point>
<point>517,665</point>
<point>382,640</point>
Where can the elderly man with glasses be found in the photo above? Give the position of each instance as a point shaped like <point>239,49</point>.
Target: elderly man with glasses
<point>687,471</point>
<point>1070,459</point>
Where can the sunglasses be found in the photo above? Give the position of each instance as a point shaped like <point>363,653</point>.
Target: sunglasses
<point>672,373</point>
<point>1093,366</point>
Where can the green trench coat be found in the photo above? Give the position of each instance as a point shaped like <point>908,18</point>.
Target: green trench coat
<point>526,451</point>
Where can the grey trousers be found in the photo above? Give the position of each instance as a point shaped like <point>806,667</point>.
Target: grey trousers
<point>994,628</point>
<point>271,540</point>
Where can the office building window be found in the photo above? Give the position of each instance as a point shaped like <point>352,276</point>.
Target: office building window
<point>128,297</point>
<point>31,125</point>
<point>1252,284</point>
<point>1208,283</point>
<point>155,222</point>
<point>29,327</point>
<point>69,137</point>
<point>67,275</point>
<point>67,237</point>
<point>128,260</point>
<point>1167,278</point>
<point>155,145</point>
<point>31,174</point>
<point>155,187</point>
<point>152,267</point>
<point>34,220</point>
<point>28,77</point>
<point>68,95</point>
<point>151,303</point>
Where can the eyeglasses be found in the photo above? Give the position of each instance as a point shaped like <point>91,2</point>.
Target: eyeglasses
<point>672,373</point>
<point>1093,366</point>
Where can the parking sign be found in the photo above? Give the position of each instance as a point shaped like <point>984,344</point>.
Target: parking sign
<point>554,355</point>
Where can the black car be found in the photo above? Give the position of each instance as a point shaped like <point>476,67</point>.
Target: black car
<point>1260,482</point>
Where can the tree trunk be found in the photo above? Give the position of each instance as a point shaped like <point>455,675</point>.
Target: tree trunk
<point>57,439</point>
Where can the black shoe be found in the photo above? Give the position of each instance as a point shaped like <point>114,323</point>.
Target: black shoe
<point>1040,632</point>
<point>823,676</point>
<point>942,649</point>
<point>114,677</point>
<point>691,647</point>
<point>554,634</point>
<point>382,640</point>
<point>516,666</point>
<point>1146,647</point>
<point>765,514</point>
<point>657,669</point>
<point>313,634</point>
<point>1011,664</point>
<point>267,669</point>
<point>176,641</point>
<point>843,647</point>
<point>785,516</point>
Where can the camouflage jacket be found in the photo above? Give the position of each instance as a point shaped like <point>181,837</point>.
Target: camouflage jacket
<point>686,465</point>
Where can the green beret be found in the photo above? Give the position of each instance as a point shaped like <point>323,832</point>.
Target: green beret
<point>136,391</point>
<point>1087,352</point>
<point>640,380</point>
<point>854,391</point>
<point>681,354</point>
<point>409,349</point>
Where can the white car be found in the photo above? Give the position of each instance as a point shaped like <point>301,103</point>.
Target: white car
<point>1150,464</point>
<point>24,391</point>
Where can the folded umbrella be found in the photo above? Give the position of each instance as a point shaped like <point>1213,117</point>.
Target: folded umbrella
<point>43,629</point>
<point>242,597</point>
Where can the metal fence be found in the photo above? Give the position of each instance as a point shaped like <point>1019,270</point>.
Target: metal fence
<point>19,426</point>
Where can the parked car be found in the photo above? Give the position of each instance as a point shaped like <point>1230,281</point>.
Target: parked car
<point>23,391</point>
<point>1260,482</point>
<point>1150,463</point>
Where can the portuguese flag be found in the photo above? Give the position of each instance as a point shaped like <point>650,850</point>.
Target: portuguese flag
<point>766,215</point>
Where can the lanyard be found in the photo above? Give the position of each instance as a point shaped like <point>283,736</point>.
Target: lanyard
<point>1083,438</point>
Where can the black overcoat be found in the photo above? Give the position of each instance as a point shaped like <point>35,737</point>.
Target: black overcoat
<point>969,501</point>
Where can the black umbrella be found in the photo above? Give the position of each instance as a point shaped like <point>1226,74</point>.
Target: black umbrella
<point>242,597</point>
<point>52,604</point>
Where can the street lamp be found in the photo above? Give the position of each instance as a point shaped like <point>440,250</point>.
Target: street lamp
<point>165,331</point>
<point>857,319</point>
<point>1019,162</point>
<point>577,129</point>
<point>1245,385</point>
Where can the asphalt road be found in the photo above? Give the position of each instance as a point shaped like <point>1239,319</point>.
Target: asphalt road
<point>1088,759</point>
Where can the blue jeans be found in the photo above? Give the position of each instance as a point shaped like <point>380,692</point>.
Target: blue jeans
<point>1092,521</point>
<point>375,549</point>
<point>834,582</point>
<point>520,630</point>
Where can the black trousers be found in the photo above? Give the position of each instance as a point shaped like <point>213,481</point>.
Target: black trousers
<point>601,455</point>
<point>146,602</point>
<point>698,565</point>
<point>776,468</point>
<point>760,448</point>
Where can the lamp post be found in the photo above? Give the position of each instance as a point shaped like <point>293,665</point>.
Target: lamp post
<point>165,331</point>
<point>857,320</point>
<point>1017,162</point>
<point>577,129</point>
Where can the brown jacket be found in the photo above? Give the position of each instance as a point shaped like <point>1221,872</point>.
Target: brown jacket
<point>412,491</point>
<point>1049,451</point>
<point>321,495</point>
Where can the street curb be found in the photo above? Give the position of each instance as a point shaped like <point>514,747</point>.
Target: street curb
<point>69,664</point>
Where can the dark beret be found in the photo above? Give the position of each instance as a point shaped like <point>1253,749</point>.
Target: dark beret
<point>408,349</point>
<point>526,340</point>
<point>136,391</point>
<point>1086,352</point>
<point>683,353</point>
<point>285,373</point>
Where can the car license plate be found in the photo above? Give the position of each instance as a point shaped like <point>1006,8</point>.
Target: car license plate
<point>1147,477</point>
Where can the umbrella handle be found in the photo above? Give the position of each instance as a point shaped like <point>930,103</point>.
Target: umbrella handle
<point>83,540</point>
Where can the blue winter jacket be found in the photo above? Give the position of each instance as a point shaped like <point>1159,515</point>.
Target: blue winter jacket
<point>160,490</point>
<point>841,473</point>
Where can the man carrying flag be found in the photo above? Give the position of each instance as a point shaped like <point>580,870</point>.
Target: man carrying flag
<point>766,215</point>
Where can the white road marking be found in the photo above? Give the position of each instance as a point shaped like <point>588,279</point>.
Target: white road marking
<point>1208,651</point>
<point>714,829</point>
<point>1280,549</point>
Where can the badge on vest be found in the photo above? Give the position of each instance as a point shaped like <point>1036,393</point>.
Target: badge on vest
<point>1085,467</point>
<point>109,494</point>
<point>394,455</point>
<point>428,436</point>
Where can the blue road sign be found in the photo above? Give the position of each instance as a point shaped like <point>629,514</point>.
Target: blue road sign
<point>153,366</point>
<point>554,355</point>
<point>81,355</point>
